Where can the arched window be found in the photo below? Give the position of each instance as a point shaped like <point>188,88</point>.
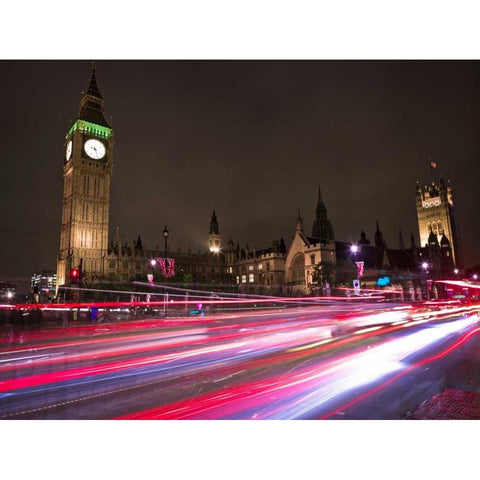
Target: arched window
<point>298,269</point>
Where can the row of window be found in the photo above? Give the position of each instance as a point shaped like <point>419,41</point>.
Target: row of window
<point>243,268</point>
<point>251,279</point>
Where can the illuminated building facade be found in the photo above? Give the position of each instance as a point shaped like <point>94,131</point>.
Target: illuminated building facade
<point>214,239</point>
<point>43,285</point>
<point>437,222</point>
<point>87,169</point>
<point>260,271</point>
<point>307,251</point>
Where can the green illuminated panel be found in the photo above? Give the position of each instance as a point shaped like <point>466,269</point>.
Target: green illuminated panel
<point>91,128</point>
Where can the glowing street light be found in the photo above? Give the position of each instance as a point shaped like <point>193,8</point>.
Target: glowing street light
<point>354,249</point>
<point>455,271</point>
<point>153,262</point>
<point>475,276</point>
<point>165,298</point>
<point>425,265</point>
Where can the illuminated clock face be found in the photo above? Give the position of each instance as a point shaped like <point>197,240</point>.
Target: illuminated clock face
<point>68,152</point>
<point>94,149</point>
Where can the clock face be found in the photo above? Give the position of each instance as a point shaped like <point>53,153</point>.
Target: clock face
<point>94,149</point>
<point>68,152</point>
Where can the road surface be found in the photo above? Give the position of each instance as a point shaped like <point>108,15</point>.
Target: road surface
<point>369,361</point>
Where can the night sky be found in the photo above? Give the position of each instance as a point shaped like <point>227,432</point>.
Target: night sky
<point>251,140</point>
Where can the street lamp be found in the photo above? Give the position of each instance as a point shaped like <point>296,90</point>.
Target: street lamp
<point>425,268</point>
<point>165,236</point>
<point>356,283</point>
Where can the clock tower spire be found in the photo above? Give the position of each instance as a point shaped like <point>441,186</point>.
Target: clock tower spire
<point>87,169</point>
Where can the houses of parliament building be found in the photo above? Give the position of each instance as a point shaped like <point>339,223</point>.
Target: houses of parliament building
<point>277,269</point>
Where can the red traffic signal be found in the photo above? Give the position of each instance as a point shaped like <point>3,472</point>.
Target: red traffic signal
<point>74,274</point>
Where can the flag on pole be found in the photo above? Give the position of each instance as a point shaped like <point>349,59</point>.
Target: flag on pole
<point>360,269</point>
<point>433,164</point>
<point>161,262</point>
<point>170,267</point>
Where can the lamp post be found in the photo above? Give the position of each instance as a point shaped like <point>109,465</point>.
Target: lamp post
<point>425,271</point>
<point>356,282</point>
<point>165,236</point>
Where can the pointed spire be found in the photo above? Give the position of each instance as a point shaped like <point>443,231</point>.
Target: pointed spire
<point>444,242</point>
<point>91,105</point>
<point>400,239</point>
<point>322,227</point>
<point>299,222</point>
<point>93,87</point>
<point>117,238</point>
<point>363,239</point>
<point>214,224</point>
<point>379,240</point>
<point>432,238</point>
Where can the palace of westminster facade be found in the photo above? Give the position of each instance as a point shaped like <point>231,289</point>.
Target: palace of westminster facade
<point>274,270</point>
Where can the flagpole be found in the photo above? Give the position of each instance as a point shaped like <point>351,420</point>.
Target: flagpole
<point>432,166</point>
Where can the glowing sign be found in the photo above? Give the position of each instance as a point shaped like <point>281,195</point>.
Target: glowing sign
<point>383,282</point>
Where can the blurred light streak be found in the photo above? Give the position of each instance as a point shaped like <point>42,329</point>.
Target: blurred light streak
<point>458,343</point>
<point>365,330</point>
<point>301,392</point>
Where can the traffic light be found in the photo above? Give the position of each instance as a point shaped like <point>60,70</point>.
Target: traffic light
<point>74,275</point>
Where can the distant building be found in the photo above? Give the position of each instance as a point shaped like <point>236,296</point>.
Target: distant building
<point>44,285</point>
<point>437,224</point>
<point>305,252</point>
<point>260,271</point>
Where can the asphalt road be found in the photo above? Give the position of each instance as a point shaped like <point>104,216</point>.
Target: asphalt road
<point>369,361</point>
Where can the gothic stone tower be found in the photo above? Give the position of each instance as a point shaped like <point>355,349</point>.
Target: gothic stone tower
<point>322,228</point>
<point>87,169</point>
<point>214,238</point>
<point>436,214</point>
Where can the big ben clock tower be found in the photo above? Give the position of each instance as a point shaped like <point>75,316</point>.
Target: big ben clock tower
<point>87,168</point>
